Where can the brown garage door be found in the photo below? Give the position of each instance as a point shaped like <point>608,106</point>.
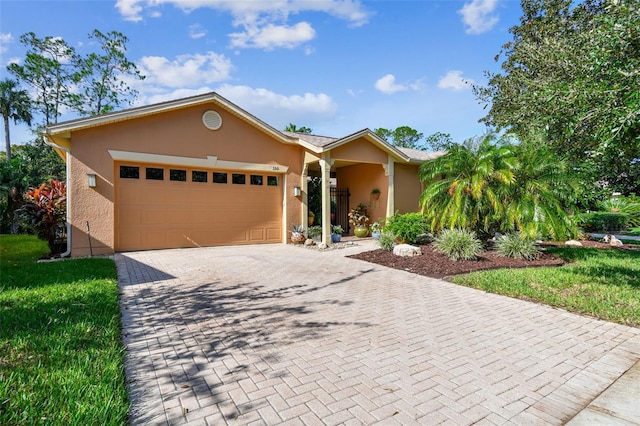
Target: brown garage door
<point>169,207</point>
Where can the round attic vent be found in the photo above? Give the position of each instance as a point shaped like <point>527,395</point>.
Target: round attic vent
<point>212,120</point>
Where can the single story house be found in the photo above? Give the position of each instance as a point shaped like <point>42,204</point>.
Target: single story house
<point>201,171</point>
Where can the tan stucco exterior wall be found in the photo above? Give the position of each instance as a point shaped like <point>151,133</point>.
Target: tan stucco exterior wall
<point>359,150</point>
<point>408,188</point>
<point>178,133</point>
<point>361,179</point>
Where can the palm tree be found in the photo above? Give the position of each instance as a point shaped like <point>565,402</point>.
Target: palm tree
<point>467,187</point>
<point>14,104</point>
<point>491,184</point>
<point>542,194</point>
<point>293,128</point>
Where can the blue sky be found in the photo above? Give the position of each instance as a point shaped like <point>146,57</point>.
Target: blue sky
<point>336,66</point>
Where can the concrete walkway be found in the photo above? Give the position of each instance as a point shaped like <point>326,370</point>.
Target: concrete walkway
<point>278,334</point>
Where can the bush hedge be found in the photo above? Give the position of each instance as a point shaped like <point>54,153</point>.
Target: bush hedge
<point>407,226</point>
<point>603,221</point>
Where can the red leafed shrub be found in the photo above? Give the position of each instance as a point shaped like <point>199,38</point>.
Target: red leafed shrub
<point>45,211</point>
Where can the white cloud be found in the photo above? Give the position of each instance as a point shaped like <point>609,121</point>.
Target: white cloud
<point>277,109</point>
<point>388,85</point>
<point>196,31</point>
<point>185,70</point>
<point>273,108</point>
<point>271,36</point>
<point>478,16</point>
<point>5,39</point>
<point>453,80</point>
<point>129,9</point>
<point>264,23</point>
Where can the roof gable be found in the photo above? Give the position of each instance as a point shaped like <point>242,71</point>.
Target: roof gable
<point>64,129</point>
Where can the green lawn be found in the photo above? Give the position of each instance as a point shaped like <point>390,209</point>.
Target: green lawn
<point>61,358</point>
<point>604,283</point>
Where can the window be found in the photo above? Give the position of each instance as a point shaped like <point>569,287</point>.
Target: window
<point>256,180</point>
<point>238,179</point>
<point>219,177</point>
<point>154,173</point>
<point>272,180</point>
<point>179,175</point>
<point>129,172</point>
<point>197,176</point>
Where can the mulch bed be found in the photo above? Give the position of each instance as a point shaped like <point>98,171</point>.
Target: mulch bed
<point>436,265</point>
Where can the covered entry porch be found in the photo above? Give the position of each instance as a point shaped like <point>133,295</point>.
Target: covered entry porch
<point>360,163</point>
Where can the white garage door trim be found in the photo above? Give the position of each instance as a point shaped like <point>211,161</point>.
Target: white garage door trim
<point>209,162</point>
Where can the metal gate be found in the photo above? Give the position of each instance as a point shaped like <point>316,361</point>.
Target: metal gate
<point>340,207</point>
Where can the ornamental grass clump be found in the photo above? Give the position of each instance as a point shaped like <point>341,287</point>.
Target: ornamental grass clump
<point>458,244</point>
<point>518,246</point>
<point>387,240</point>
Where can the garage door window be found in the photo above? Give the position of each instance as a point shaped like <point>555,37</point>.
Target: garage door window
<point>178,175</point>
<point>238,179</point>
<point>129,172</point>
<point>256,180</point>
<point>197,176</point>
<point>272,180</point>
<point>154,173</point>
<point>219,177</point>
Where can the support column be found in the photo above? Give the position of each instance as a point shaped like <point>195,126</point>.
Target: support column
<point>389,171</point>
<point>304,185</point>
<point>325,171</point>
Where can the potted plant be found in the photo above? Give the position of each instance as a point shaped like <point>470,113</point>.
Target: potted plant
<point>297,234</point>
<point>375,230</point>
<point>359,217</point>
<point>315,232</point>
<point>336,233</point>
<point>375,194</point>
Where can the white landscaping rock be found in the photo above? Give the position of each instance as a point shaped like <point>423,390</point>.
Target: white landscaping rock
<point>309,242</point>
<point>614,242</point>
<point>573,243</point>
<point>406,250</point>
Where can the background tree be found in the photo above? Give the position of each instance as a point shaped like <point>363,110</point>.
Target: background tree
<point>292,128</point>
<point>31,165</point>
<point>439,141</point>
<point>101,76</point>
<point>571,72</point>
<point>403,136</point>
<point>60,80</point>
<point>50,68</point>
<point>15,104</point>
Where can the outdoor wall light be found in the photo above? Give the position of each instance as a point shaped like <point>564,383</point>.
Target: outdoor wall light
<point>297,191</point>
<point>91,180</point>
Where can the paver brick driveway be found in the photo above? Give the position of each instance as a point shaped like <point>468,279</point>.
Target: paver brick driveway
<point>279,334</point>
